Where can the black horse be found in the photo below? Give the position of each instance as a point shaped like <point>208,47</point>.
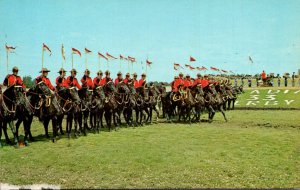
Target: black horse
<point>142,95</point>
<point>12,100</point>
<point>97,109</point>
<point>110,105</point>
<point>85,96</point>
<point>69,102</point>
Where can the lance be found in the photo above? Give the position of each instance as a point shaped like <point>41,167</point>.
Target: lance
<point>43,57</point>
<point>7,60</point>
<point>72,60</point>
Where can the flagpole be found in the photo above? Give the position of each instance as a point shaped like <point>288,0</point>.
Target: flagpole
<point>7,61</point>
<point>43,57</point>
<point>128,66</point>
<point>99,62</point>
<point>132,66</point>
<point>120,65</point>
<point>72,60</point>
<point>85,60</point>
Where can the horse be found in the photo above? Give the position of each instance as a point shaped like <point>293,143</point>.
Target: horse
<point>199,106</point>
<point>110,105</point>
<point>35,97</point>
<point>129,104</point>
<point>85,96</point>
<point>11,101</point>
<point>69,102</point>
<point>142,94</point>
<point>154,97</point>
<point>97,109</point>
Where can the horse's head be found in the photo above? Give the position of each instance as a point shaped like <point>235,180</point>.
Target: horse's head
<point>99,91</point>
<point>143,91</point>
<point>110,87</point>
<point>73,95</point>
<point>122,88</point>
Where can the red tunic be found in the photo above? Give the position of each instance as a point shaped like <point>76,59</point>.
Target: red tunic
<point>87,82</point>
<point>11,80</point>
<point>104,81</point>
<point>141,82</point>
<point>126,80</point>
<point>117,80</point>
<point>136,83</point>
<point>177,82</point>
<point>197,81</point>
<point>61,82</point>
<point>96,81</point>
<point>46,81</point>
<point>204,83</point>
<point>72,81</point>
<point>188,83</point>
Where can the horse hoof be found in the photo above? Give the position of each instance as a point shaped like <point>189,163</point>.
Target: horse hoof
<point>47,136</point>
<point>69,136</point>
<point>54,140</point>
<point>26,143</point>
<point>31,139</point>
<point>8,142</point>
<point>62,133</point>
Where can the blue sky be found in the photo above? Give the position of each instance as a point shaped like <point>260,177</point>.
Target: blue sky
<point>218,33</point>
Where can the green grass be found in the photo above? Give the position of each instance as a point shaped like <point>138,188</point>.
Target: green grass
<point>280,98</point>
<point>254,149</point>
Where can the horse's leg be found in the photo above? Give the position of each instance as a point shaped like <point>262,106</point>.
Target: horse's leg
<point>78,117</point>
<point>54,129</point>
<point>13,130</point>
<point>4,127</point>
<point>1,124</point>
<point>59,123</point>
<point>157,112</point>
<point>69,122</point>
<point>46,124</point>
<point>101,118</point>
<point>18,123</point>
<point>211,113</point>
<point>223,112</point>
<point>26,130</point>
<point>29,122</point>
<point>85,118</point>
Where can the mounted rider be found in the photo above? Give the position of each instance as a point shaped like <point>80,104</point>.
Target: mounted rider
<point>135,81</point>
<point>188,82</point>
<point>72,80</point>
<point>61,81</point>
<point>43,77</point>
<point>178,83</point>
<point>142,81</point>
<point>86,80</point>
<point>127,78</point>
<point>13,79</point>
<point>119,78</point>
<point>198,80</point>
<point>97,79</point>
<point>106,79</point>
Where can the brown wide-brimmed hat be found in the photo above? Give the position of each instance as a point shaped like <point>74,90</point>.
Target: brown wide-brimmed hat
<point>44,70</point>
<point>144,74</point>
<point>15,69</point>
<point>61,70</point>
<point>73,70</point>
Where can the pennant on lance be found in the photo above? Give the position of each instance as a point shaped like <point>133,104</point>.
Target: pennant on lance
<point>101,55</point>
<point>76,51</point>
<point>63,52</point>
<point>45,47</point>
<point>192,59</point>
<point>87,51</point>
<point>110,56</point>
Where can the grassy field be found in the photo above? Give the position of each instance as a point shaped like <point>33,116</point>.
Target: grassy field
<point>254,149</point>
<point>270,98</point>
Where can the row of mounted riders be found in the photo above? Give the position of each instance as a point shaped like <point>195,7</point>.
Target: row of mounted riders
<point>110,101</point>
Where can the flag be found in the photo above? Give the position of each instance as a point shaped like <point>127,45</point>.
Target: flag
<point>214,69</point>
<point>224,71</point>
<point>204,68</point>
<point>87,50</point>
<point>110,56</point>
<point>192,59</point>
<point>250,59</point>
<point>192,68</point>
<point>45,47</point>
<point>148,62</point>
<point>121,57</point>
<point>132,59</point>
<point>9,48</point>
<point>100,55</point>
<point>187,65</point>
<point>178,65</point>
<point>175,68</point>
<point>76,51</point>
<point>63,52</point>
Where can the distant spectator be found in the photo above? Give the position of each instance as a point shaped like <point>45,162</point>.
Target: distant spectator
<point>278,80</point>
<point>256,81</point>
<point>293,79</point>
<point>235,81</point>
<point>249,82</point>
<point>285,81</point>
<point>242,81</point>
<point>264,77</point>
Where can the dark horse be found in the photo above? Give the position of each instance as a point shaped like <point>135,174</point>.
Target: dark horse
<point>97,109</point>
<point>85,96</point>
<point>12,101</point>
<point>110,105</point>
<point>142,94</point>
<point>69,102</point>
